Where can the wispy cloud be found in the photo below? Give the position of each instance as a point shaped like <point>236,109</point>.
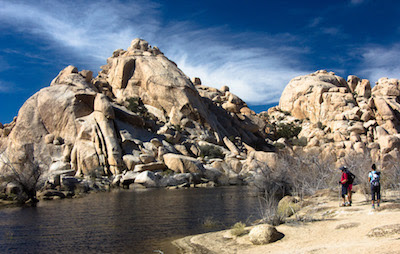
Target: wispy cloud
<point>91,27</point>
<point>256,68</point>
<point>256,74</point>
<point>315,22</point>
<point>380,61</point>
<point>7,87</point>
<point>333,31</point>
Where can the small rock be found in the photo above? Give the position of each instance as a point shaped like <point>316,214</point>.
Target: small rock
<point>146,158</point>
<point>147,178</point>
<point>196,81</point>
<point>224,89</point>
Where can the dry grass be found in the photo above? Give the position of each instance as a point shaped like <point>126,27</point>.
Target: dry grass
<point>385,231</point>
<point>210,222</point>
<point>347,225</point>
<point>238,229</point>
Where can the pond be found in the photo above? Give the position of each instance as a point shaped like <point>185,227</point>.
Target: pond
<point>123,221</point>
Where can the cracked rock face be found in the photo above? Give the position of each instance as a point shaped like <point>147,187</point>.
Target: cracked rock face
<point>81,120</point>
<point>82,123</point>
<point>145,72</point>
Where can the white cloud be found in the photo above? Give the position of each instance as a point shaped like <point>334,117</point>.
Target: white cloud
<point>379,61</point>
<point>93,28</point>
<point>258,74</point>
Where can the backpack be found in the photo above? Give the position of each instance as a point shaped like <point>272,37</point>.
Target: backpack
<point>375,178</point>
<point>350,177</point>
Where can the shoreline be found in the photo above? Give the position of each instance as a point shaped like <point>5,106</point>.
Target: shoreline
<point>354,229</point>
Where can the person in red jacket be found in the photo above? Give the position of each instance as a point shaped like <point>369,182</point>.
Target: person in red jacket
<point>346,187</point>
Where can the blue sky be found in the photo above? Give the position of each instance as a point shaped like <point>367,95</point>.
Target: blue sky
<point>254,47</point>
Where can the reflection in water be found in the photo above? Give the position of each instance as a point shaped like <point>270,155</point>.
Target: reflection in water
<point>139,221</point>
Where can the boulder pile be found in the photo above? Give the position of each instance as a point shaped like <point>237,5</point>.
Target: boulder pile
<point>338,116</point>
<point>141,120</point>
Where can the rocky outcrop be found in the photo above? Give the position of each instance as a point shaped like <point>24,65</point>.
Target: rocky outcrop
<point>339,116</point>
<point>141,113</point>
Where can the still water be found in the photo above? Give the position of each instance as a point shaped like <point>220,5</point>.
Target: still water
<point>124,221</point>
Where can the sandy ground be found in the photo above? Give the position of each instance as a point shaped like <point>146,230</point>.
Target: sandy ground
<point>333,229</point>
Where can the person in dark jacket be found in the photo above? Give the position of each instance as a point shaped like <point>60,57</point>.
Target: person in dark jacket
<point>374,179</point>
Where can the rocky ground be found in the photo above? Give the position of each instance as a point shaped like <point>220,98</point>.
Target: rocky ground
<point>320,227</point>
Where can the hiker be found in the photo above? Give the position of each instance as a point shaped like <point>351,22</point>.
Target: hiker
<point>374,178</point>
<point>347,185</point>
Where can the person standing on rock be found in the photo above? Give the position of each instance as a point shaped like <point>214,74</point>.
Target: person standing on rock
<point>346,189</point>
<point>374,178</point>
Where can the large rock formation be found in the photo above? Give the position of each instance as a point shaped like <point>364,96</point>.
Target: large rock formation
<point>142,116</point>
<point>341,117</point>
<point>139,111</point>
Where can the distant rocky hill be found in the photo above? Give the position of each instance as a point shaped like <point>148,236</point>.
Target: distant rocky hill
<point>342,117</point>
<point>142,118</point>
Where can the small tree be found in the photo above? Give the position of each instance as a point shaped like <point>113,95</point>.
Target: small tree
<point>26,172</point>
<point>391,176</point>
<point>271,185</point>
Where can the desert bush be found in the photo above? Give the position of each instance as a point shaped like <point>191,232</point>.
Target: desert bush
<point>238,229</point>
<point>271,185</point>
<point>136,105</point>
<point>27,173</point>
<point>391,176</point>
<point>287,130</point>
<point>307,172</point>
<point>287,209</point>
<point>210,222</point>
<point>211,152</point>
<point>300,174</point>
<point>279,130</point>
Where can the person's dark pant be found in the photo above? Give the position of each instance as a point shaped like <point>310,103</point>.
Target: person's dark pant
<point>345,188</point>
<point>375,192</point>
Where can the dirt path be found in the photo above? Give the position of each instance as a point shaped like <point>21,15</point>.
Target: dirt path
<point>337,230</point>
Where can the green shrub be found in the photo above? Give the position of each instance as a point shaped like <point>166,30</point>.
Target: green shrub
<point>238,229</point>
<point>287,131</point>
<point>211,152</point>
<point>133,104</point>
<point>287,209</point>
